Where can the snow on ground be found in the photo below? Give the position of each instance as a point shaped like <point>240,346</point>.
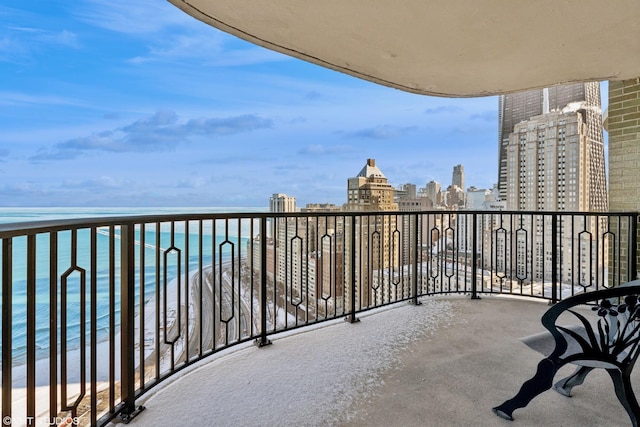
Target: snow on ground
<point>307,377</point>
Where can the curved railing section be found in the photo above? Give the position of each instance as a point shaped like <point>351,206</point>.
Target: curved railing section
<point>95,312</point>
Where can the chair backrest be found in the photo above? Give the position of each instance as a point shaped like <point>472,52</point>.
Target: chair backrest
<point>619,320</point>
<point>615,335</point>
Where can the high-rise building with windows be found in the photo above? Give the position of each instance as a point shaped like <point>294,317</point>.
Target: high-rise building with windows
<point>304,254</point>
<point>370,190</point>
<point>433,191</point>
<point>377,235</point>
<point>282,203</point>
<point>552,161</point>
<point>548,160</point>
<point>582,98</point>
<point>457,178</point>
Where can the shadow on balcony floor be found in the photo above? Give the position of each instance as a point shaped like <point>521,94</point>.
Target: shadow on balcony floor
<point>444,363</point>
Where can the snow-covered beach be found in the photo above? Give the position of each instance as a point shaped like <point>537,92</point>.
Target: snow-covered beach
<point>103,350</point>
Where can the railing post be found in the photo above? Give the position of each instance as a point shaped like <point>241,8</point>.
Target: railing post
<point>7,332</point>
<point>31,329</point>
<point>633,252</point>
<point>352,317</point>
<point>127,325</point>
<point>53,323</point>
<point>474,258</point>
<point>263,340</point>
<point>414,278</point>
<point>554,258</point>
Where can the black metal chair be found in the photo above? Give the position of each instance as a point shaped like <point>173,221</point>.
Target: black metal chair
<point>610,341</point>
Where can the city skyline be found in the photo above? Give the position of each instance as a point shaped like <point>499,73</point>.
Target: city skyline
<point>364,194</point>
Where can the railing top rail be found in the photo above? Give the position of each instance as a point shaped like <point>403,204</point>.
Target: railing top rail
<point>35,227</point>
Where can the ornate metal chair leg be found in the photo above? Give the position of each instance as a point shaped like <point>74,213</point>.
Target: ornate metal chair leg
<point>538,384</point>
<point>624,391</point>
<point>565,385</point>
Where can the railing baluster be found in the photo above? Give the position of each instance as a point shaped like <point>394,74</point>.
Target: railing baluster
<point>414,278</point>
<point>187,286</point>
<point>352,316</point>
<point>251,256</point>
<point>276,256</point>
<point>474,258</point>
<point>262,341</point>
<point>94,327</point>
<point>200,287</point>
<point>214,269</point>
<point>53,324</point>
<point>112,317</point>
<point>63,343</point>
<point>31,329</point>
<point>633,247</point>
<point>142,324</point>
<point>7,327</point>
<point>237,270</point>
<point>157,290</point>
<point>127,325</point>
<point>554,258</point>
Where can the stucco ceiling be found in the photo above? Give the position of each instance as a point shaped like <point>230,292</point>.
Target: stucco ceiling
<point>451,48</point>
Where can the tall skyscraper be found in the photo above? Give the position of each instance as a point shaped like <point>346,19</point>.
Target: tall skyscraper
<point>377,236</point>
<point>548,164</point>
<point>580,97</point>
<point>552,161</point>
<point>457,177</point>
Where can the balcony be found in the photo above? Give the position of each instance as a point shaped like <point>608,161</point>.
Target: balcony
<point>98,315</point>
<point>387,370</point>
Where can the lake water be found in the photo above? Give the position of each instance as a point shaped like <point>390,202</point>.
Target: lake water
<point>226,241</point>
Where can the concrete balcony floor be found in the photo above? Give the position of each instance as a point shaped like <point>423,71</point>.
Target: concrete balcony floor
<point>446,362</point>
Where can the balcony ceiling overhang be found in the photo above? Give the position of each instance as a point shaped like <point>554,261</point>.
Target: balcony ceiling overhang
<point>454,48</point>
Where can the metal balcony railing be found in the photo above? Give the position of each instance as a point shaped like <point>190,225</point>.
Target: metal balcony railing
<point>96,312</point>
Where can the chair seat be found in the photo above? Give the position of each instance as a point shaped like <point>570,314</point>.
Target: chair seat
<point>544,343</point>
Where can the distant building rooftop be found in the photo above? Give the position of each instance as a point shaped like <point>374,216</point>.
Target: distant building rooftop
<point>370,169</point>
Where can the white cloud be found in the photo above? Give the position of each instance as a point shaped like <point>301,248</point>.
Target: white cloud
<point>382,132</point>
<point>16,98</point>
<point>322,149</point>
<point>248,56</point>
<point>132,17</point>
<point>63,38</point>
<point>102,182</point>
<point>209,46</point>
<point>159,132</point>
<point>172,35</point>
<point>488,116</point>
<point>190,44</point>
<point>21,45</point>
<point>442,109</point>
<point>195,182</point>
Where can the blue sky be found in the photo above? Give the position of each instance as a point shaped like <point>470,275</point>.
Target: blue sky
<point>134,103</point>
